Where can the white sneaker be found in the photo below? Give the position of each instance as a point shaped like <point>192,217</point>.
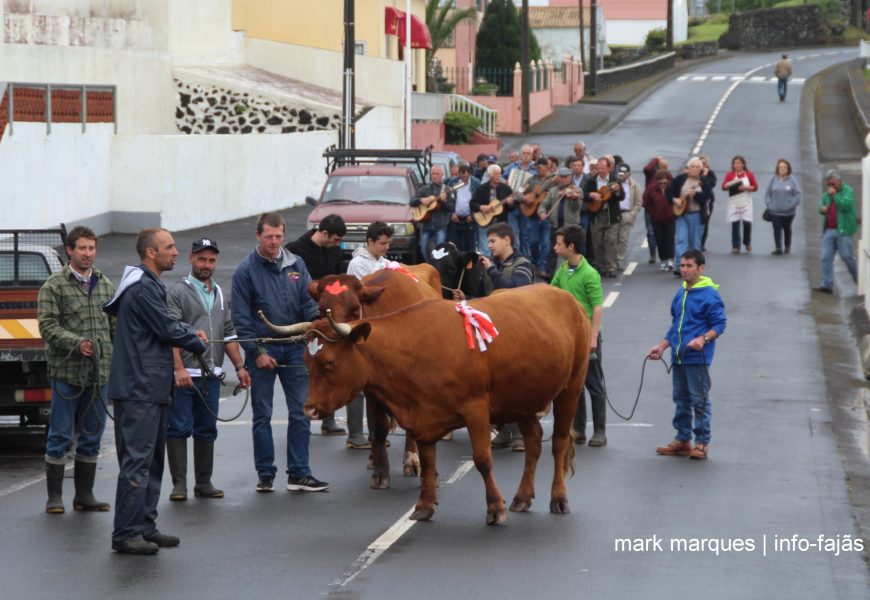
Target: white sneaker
<point>664,267</point>
<point>670,265</point>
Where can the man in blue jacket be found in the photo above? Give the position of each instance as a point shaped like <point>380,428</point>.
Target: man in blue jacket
<point>274,280</point>
<point>140,386</point>
<point>698,320</point>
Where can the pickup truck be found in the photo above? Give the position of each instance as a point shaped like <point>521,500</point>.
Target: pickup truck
<point>27,258</point>
<point>373,185</point>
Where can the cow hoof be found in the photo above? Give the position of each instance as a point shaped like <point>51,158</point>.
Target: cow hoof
<point>411,464</point>
<point>371,464</point>
<point>520,505</point>
<point>380,483</point>
<point>496,517</point>
<point>422,514</point>
<point>559,506</point>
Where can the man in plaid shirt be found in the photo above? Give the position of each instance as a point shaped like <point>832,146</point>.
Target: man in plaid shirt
<point>78,338</point>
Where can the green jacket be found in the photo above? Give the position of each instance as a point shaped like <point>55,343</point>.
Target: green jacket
<point>847,223</point>
<point>584,283</point>
<point>67,317</point>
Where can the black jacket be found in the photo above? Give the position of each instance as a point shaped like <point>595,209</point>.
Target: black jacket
<point>611,208</point>
<point>440,217</point>
<point>481,198</point>
<point>703,197</point>
<point>320,262</point>
<point>142,367</point>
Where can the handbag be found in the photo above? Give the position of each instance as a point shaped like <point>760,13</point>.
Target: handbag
<point>766,215</point>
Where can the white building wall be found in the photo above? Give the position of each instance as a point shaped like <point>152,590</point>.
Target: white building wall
<point>381,127</point>
<point>196,180</point>
<point>631,33</point>
<point>50,179</point>
<point>555,43</point>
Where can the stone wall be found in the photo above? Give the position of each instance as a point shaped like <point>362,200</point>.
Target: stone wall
<point>206,109</point>
<point>698,49</point>
<point>608,78</point>
<point>774,28</point>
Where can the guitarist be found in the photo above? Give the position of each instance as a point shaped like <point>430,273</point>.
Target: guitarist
<point>538,230</point>
<point>434,228</point>
<point>692,192</point>
<point>462,230</point>
<point>603,224</point>
<point>494,189</point>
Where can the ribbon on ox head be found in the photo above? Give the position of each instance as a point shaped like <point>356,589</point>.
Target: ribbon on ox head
<point>395,266</point>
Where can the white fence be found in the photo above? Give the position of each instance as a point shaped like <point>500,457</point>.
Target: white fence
<point>432,107</point>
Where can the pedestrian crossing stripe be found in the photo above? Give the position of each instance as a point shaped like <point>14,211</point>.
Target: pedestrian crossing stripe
<point>19,329</point>
<point>756,79</point>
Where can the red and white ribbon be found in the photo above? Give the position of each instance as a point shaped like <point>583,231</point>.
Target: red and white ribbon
<point>478,326</point>
<point>395,266</point>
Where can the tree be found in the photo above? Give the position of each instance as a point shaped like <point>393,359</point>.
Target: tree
<point>499,39</point>
<point>441,21</point>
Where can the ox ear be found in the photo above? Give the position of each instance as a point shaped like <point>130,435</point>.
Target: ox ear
<point>360,333</point>
<point>370,293</point>
<point>314,290</point>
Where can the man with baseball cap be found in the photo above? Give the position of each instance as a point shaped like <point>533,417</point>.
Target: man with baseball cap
<point>199,301</point>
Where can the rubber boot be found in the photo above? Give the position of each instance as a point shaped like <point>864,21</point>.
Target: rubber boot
<point>599,418</point>
<point>580,422</point>
<point>328,426</point>
<point>84,475</point>
<point>355,438</point>
<point>203,465</point>
<point>54,481</point>
<point>176,455</point>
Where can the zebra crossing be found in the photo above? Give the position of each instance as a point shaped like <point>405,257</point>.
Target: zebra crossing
<point>734,77</point>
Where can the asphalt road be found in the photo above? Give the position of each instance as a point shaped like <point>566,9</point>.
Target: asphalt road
<point>774,471</point>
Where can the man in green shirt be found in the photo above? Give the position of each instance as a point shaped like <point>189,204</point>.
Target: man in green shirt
<point>579,278</point>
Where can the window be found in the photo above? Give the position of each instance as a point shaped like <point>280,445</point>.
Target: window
<point>359,48</point>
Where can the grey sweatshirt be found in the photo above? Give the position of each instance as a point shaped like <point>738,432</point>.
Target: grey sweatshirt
<point>782,196</point>
<point>186,305</point>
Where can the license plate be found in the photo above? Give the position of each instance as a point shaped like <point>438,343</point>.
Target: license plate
<point>352,245</point>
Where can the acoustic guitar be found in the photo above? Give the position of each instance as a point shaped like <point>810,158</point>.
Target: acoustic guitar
<point>679,205</point>
<point>532,200</point>
<point>496,208</point>
<point>421,213</point>
<point>604,195</point>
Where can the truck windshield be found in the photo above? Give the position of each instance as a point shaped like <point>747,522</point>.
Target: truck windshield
<point>367,188</point>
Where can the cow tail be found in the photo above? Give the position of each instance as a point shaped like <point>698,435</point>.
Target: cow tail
<point>569,456</point>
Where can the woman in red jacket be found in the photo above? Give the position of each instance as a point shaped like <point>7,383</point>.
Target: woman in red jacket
<point>661,213</point>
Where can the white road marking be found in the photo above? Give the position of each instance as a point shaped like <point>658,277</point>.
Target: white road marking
<point>700,78</point>
<point>718,78</point>
<point>630,269</point>
<point>391,535</point>
<point>682,77</point>
<point>738,78</point>
<point>611,298</point>
<point>758,79</point>
<point>700,143</point>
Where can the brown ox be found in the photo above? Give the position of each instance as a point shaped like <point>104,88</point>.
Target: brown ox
<point>377,294</point>
<point>540,356</point>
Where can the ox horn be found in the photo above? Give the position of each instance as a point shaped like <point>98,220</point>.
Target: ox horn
<point>341,329</point>
<point>286,330</point>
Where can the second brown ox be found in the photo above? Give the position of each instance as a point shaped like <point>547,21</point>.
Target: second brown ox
<point>540,356</point>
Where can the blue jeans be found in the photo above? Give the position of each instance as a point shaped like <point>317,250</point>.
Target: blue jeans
<point>294,382</point>
<point>187,415</point>
<point>539,241</point>
<point>140,438</point>
<point>437,236</point>
<point>782,87</point>
<point>464,235</point>
<point>482,244</point>
<point>520,224</point>
<point>692,397</point>
<point>833,244</point>
<point>689,230</point>
<point>86,413</point>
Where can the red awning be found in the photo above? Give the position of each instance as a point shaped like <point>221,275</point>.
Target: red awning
<point>394,24</point>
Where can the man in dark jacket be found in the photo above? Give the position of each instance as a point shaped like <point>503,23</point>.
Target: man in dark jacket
<point>140,386</point>
<point>273,280</point>
<point>440,202</point>
<point>494,189</point>
<point>605,215</point>
<point>320,249</point>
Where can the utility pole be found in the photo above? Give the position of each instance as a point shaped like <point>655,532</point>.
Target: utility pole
<point>582,57</point>
<point>670,25</point>
<point>524,78</point>
<point>593,48</point>
<point>347,139</point>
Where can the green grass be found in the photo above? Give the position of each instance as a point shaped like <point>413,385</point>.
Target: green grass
<point>830,8</point>
<point>853,34</point>
<point>707,32</point>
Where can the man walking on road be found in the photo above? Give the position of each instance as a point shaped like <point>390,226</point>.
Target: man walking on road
<point>782,70</point>
<point>698,318</point>
<point>199,300</point>
<point>275,281</point>
<point>78,338</point>
<point>140,386</point>
<point>838,207</point>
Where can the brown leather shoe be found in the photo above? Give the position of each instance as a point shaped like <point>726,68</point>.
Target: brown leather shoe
<point>675,448</point>
<point>699,452</point>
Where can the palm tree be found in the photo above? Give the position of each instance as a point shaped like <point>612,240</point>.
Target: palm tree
<point>441,19</point>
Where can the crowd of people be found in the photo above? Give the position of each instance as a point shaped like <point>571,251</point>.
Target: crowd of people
<point>155,352</point>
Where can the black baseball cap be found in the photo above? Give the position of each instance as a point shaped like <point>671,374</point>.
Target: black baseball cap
<point>204,244</point>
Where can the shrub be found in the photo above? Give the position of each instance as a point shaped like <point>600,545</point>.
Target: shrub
<point>656,40</point>
<point>459,127</point>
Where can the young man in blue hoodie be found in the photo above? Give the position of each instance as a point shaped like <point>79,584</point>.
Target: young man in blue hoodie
<point>698,320</point>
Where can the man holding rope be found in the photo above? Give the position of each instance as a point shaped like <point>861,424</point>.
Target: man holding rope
<point>78,339</point>
<point>698,315</point>
<point>199,300</point>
